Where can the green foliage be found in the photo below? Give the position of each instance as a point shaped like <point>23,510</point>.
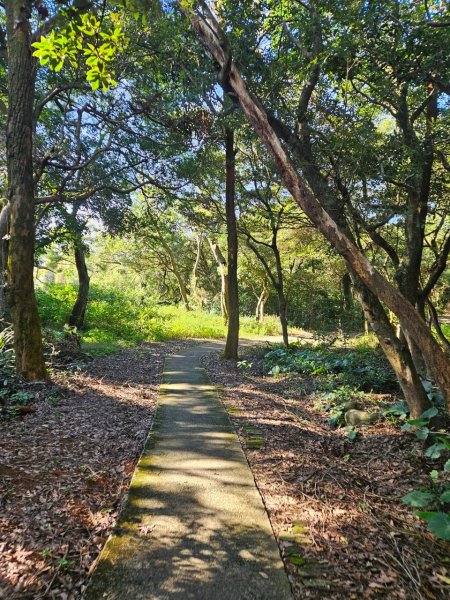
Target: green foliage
<point>363,369</point>
<point>438,496</point>
<point>6,351</point>
<point>84,37</point>
<point>418,499</point>
<point>117,318</point>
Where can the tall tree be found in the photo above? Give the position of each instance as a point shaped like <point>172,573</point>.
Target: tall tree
<point>19,141</point>
<point>232,342</point>
<point>215,41</point>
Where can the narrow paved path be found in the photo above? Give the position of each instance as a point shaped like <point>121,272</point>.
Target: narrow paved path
<point>194,526</point>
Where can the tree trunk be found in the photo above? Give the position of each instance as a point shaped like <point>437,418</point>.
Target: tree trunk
<point>282,302</point>
<point>396,352</point>
<point>282,306</point>
<point>176,271</point>
<point>214,40</point>
<point>232,343</point>
<point>76,318</point>
<point>347,291</point>
<point>22,301</point>
<point>262,299</point>
<point>194,292</point>
<point>4,246</point>
<point>222,267</point>
<point>435,321</point>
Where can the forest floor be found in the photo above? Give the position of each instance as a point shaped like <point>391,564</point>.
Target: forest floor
<point>65,469</point>
<point>334,504</point>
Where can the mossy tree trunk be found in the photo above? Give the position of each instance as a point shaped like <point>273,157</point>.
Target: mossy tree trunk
<point>19,141</point>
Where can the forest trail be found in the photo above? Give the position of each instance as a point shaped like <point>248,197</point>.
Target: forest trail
<point>194,525</point>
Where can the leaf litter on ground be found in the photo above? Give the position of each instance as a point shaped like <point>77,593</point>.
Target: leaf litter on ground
<point>335,504</point>
<point>66,468</point>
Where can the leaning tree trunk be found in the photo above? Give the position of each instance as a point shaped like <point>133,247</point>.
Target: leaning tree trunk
<point>77,316</point>
<point>396,352</point>
<point>19,141</point>
<point>215,41</point>
<point>232,343</point>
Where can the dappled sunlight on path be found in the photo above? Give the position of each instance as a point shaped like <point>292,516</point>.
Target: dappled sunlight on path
<point>194,526</point>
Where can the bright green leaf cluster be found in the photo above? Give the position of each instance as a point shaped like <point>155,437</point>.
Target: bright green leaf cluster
<point>88,38</point>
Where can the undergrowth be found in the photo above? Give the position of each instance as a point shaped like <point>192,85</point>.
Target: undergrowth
<point>115,319</point>
<point>362,368</point>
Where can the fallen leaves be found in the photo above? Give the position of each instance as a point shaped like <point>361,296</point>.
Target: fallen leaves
<point>342,497</point>
<point>66,468</point>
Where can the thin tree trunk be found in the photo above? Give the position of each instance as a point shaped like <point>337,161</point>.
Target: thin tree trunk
<point>22,300</point>
<point>215,41</point>
<point>437,326</point>
<point>347,291</point>
<point>176,271</point>
<point>282,306</point>
<point>232,342</point>
<point>198,240</point>
<point>222,267</point>
<point>262,299</point>
<point>77,316</point>
<point>4,245</point>
<point>282,302</point>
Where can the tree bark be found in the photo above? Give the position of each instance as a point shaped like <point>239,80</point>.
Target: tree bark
<point>396,352</point>
<point>19,142</point>
<point>215,41</point>
<point>347,291</point>
<point>77,316</point>
<point>262,299</point>
<point>194,291</point>
<point>4,246</point>
<point>222,267</point>
<point>232,342</point>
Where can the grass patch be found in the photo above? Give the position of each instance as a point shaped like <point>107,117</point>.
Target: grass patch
<point>116,320</point>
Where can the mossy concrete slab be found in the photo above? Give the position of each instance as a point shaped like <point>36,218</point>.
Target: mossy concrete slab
<point>194,526</point>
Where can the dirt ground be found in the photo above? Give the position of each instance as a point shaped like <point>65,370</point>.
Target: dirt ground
<point>65,470</point>
<point>334,504</point>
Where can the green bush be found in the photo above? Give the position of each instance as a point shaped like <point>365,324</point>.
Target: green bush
<point>55,303</point>
<point>363,368</point>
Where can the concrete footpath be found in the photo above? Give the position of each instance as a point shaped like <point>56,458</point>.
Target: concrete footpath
<point>194,526</point>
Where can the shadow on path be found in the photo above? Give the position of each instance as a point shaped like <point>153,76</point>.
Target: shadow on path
<point>194,526</point>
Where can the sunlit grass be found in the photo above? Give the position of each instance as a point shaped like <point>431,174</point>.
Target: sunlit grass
<point>115,320</point>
